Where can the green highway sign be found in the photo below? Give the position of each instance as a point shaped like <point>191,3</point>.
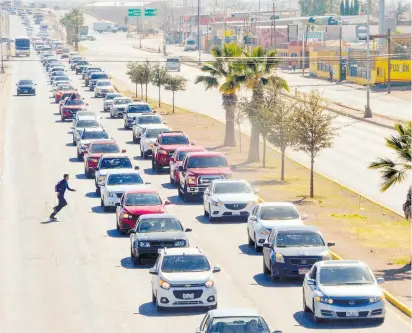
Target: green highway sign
<point>134,12</point>
<point>150,12</point>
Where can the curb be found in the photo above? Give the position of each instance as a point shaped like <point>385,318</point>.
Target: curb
<point>389,297</point>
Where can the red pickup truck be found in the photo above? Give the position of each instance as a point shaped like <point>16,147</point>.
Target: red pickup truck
<point>198,171</point>
<point>165,146</point>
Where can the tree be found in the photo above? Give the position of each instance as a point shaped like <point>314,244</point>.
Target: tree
<point>313,128</point>
<point>221,75</point>
<point>352,9</point>
<point>135,73</point>
<point>159,78</point>
<point>318,7</point>
<point>146,72</point>
<point>256,71</point>
<point>398,170</point>
<point>73,21</point>
<point>400,9</point>
<point>347,7</point>
<point>239,117</point>
<point>175,83</point>
<point>356,7</point>
<point>342,8</point>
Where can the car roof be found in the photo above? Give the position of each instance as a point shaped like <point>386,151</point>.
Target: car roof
<point>122,97</point>
<point>332,263</point>
<point>191,149</point>
<point>173,133</point>
<point>234,313</point>
<point>277,204</point>
<point>94,129</point>
<point>86,118</point>
<point>156,126</point>
<point>139,103</point>
<point>206,153</point>
<point>118,155</point>
<point>105,142</point>
<point>156,216</point>
<point>297,228</point>
<point>142,190</point>
<point>183,250</point>
<point>216,181</point>
<point>122,171</point>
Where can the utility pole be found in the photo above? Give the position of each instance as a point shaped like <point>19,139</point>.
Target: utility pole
<point>258,26</point>
<point>1,51</point>
<point>304,44</point>
<point>274,23</point>
<point>199,48</point>
<point>389,61</point>
<point>340,52</point>
<point>368,111</point>
<point>165,32</point>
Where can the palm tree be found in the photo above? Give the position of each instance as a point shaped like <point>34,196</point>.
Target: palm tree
<point>73,22</point>
<point>396,171</point>
<point>224,68</point>
<point>256,72</point>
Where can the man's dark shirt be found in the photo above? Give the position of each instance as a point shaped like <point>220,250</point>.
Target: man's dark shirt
<point>62,186</point>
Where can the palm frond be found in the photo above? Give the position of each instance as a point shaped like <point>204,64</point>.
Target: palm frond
<point>208,81</point>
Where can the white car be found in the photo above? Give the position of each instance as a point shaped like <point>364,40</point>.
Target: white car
<point>343,289</point>
<point>268,215</point>
<point>143,121</point>
<point>183,277</point>
<point>119,105</point>
<point>117,182</point>
<point>229,198</point>
<point>80,124</point>
<point>110,162</point>
<point>108,100</point>
<point>149,137</point>
<point>88,135</point>
<point>102,88</point>
<point>82,114</point>
<point>60,79</point>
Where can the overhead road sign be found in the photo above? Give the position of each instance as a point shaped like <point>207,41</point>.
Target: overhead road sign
<point>134,12</point>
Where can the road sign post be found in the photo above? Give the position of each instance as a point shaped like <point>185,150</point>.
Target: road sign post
<point>150,12</point>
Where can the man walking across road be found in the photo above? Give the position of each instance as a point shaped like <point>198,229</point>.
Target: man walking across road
<point>60,190</point>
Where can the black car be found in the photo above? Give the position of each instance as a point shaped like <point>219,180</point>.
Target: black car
<point>153,232</point>
<point>26,87</point>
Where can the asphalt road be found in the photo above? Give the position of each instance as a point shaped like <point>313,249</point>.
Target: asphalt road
<point>75,275</point>
<point>346,162</point>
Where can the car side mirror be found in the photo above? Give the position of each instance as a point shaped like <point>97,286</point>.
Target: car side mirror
<point>277,331</point>
<point>181,168</point>
<point>304,217</point>
<point>380,280</point>
<point>256,190</point>
<point>331,244</point>
<point>167,202</point>
<point>147,182</point>
<point>253,218</point>
<point>233,167</point>
<point>188,230</point>
<point>156,144</point>
<point>72,127</point>
<point>172,159</point>
<point>96,169</point>
<point>193,143</point>
<point>124,150</point>
<point>216,269</point>
<point>153,271</point>
<point>266,245</point>
<point>117,204</point>
<point>136,167</point>
<point>131,231</point>
<point>165,122</point>
<point>310,282</point>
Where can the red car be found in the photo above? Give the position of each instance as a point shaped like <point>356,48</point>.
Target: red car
<point>165,146</point>
<point>135,203</point>
<point>95,151</point>
<point>61,95</point>
<point>69,108</point>
<point>177,158</point>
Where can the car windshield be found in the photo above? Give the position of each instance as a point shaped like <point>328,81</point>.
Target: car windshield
<point>82,63</point>
<point>279,213</point>
<point>122,101</point>
<point>95,76</point>
<point>109,96</point>
<point>207,162</point>
<point>299,239</point>
<point>229,187</point>
<point>58,73</point>
<point>174,140</point>
<point>190,42</point>
<point>149,120</point>
<point>138,108</point>
<point>25,82</point>
<point>95,135</point>
<point>86,114</point>
<point>345,275</point>
<point>62,78</point>
<point>104,84</point>
<point>125,179</point>
<point>87,123</point>
<point>65,87</point>
<point>116,163</point>
<point>74,102</point>
<point>159,225</point>
<point>239,324</point>
<point>185,263</point>
<point>143,199</point>
<point>104,148</point>
<point>172,60</point>
<point>64,96</point>
<point>152,133</point>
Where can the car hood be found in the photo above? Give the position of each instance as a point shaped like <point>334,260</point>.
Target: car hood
<point>98,155</point>
<point>348,291</point>
<point>105,171</point>
<point>141,210</point>
<point>187,278</point>
<point>172,147</point>
<point>236,197</point>
<point>78,129</point>
<point>86,142</point>
<point>105,87</point>
<point>302,251</point>
<point>120,106</point>
<point>163,236</point>
<point>123,188</point>
<point>210,171</point>
<point>74,106</point>
<point>269,224</point>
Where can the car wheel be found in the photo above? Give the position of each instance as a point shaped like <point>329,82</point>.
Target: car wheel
<point>79,156</point>
<point>205,212</point>
<point>257,248</point>
<point>98,190</point>
<point>124,125</point>
<point>186,196</point>
<point>89,174</point>
<point>158,168</point>
<point>305,307</point>
<point>117,225</point>
<point>317,319</point>
<point>62,119</point>
<point>249,239</point>
<point>211,219</point>
<point>171,180</point>
<point>111,115</point>
<point>73,142</point>
<point>266,270</point>
<point>141,152</point>
<point>145,155</point>
<point>380,321</point>
<point>159,308</point>
<point>154,299</point>
<point>105,208</point>
<point>273,277</point>
<point>153,164</point>
<point>134,138</point>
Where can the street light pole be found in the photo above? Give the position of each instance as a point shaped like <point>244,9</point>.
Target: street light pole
<point>198,32</point>
<point>368,111</point>
<point>258,26</point>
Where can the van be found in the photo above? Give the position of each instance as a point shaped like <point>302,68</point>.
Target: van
<point>173,64</point>
<point>190,45</point>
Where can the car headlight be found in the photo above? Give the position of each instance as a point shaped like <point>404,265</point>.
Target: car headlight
<point>252,203</point>
<point>101,179</point>
<point>162,151</point>
<point>262,230</point>
<point>144,244</point>
<point>279,258</point>
<point>326,255</point>
<point>216,203</point>
<point>110,194</point>
<point>180,243</point>
<point>191,180</point>
<point>83,147</point>
<point>164,284</point>
<point>376,299</point>
<point>324,299</point>
<point>209,284</point>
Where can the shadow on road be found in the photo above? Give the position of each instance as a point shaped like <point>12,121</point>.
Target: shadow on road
<point>99,210</point>
<point>93,195</point>
<point>168,186</point>
<point>149,310</point>
<point>74,160</point>
<point>114,233</point>
<point>175,200</point>
<point>81,176</point>
<point>128,264</point>
<point>249,250</point>
<point>205,220</point>
<point>264,281</point>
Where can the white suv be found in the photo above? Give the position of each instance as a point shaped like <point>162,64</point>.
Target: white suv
<point>183,277</point>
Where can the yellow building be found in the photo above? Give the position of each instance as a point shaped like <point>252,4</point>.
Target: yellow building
<point>324,59</point>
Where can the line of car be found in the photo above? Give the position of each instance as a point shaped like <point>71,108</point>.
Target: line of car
<point>182,275</point>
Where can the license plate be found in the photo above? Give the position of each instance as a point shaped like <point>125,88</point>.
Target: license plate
<point>188,296</point>
<point>235,213</point>
<point>352,314</point>
<point>303,271</point>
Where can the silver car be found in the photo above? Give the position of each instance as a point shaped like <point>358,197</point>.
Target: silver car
<point>80,124</point>
<point>119,106</point>
<point>343,289</point>
<point>108,100</point>
<point>142,122</point>
<point>173,64</point>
